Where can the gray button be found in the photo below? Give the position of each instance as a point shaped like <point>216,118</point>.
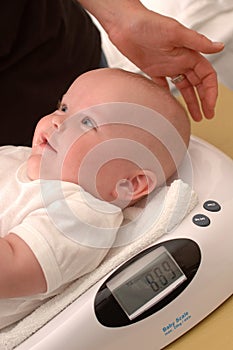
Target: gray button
<point>211,205</point>
<point>201,220</point>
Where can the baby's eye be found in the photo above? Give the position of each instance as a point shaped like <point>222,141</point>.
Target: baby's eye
<point>89,123</point>
<point>62,107</point>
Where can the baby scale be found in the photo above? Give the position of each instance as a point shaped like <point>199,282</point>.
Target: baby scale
<point>164,291</point>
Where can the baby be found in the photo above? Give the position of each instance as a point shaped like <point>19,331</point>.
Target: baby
<point>115,137</point>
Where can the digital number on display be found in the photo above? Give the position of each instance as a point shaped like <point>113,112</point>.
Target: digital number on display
<point>146,281</point>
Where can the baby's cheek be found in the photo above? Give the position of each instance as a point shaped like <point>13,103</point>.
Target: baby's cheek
<point>69,171</point>
<point>106,181</point>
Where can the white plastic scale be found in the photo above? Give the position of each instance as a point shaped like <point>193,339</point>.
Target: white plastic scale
<point>168,288</point>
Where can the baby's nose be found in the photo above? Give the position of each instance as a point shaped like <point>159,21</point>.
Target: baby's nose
<point>57,121</point>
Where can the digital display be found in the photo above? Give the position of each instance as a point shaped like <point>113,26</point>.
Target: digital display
<point>146,281</point>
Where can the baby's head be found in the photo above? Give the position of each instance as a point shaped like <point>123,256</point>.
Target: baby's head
<point>116,134</point>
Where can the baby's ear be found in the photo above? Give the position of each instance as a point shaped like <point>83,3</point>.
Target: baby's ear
<point>134,188</point>
<point>143,183</point>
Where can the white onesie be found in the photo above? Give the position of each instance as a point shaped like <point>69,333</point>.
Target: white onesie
<point>43,214</point>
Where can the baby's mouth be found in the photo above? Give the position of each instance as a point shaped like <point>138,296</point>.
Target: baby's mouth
<point>49,146</point>
<point>44,144</point>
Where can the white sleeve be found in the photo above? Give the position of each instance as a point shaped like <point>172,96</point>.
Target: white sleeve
<point>63,259</point>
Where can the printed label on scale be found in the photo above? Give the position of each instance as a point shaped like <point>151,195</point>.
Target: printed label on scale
<point>178,322</point>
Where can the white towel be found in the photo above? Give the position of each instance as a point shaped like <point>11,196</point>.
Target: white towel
<point>169,207</point>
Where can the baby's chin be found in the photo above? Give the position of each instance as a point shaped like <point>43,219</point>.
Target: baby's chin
<point>33,168</point>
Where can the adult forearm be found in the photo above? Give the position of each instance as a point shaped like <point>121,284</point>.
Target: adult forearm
<point>111,12</point>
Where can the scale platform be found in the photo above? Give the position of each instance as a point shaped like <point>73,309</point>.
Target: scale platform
<point>188,275</point>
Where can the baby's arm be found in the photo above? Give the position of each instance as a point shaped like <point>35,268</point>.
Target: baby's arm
<point>20,272</point>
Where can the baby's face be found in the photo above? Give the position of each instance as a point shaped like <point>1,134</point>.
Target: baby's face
<point>66,145</point>
<point>79,142</point>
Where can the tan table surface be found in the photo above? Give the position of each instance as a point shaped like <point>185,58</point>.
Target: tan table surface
<point>216,331</point>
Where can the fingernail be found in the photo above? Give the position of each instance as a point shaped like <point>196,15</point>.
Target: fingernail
<point>217,43</point>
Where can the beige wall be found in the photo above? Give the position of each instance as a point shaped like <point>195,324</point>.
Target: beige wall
<point>219,131</point>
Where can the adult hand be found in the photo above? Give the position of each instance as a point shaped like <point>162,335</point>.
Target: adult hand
<point>162,47</point>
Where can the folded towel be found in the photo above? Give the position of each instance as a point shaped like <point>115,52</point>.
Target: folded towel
<point>165,210</point>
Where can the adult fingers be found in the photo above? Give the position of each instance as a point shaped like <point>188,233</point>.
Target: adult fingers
<point>201,79</point>
<point>185,37</point>
<point>188,92</point>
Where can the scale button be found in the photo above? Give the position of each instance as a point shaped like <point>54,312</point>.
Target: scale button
<point>211,206</point>
<point>201,220</point>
